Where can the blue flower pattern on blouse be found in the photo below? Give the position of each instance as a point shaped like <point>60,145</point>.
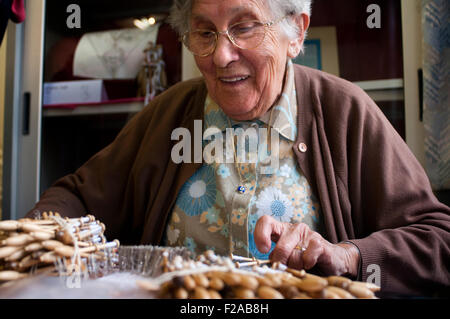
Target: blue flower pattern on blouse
<point>199,192</point>
<point>223,171</point>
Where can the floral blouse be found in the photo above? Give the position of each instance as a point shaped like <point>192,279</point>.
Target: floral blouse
<point>211,214</point>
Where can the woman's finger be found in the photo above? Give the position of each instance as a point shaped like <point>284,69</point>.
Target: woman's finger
<point>295,261</point>
<point>313,251</point>
<point>267,229</point>
<point>292,236</point>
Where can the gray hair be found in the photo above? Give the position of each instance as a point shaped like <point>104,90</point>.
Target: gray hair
<point>180,14</point>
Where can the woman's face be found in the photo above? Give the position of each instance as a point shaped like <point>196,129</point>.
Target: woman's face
<point>244,83</point>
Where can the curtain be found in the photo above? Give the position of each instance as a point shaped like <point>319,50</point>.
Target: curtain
<point>436,86</point>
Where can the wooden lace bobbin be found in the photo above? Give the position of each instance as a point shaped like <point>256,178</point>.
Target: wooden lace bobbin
<point>229,278</point>
<point>33,227</point>
<point>200,293</point>
<point>216,283</point>
<point>312,284</point>
<point>40,222</point>
<point>201,280</point>
<point>289,292</point>
<point>48,257</point>
<point>9,250</point>
<point>249,282</point>
<point>10,275</point>
<point>243,293</point>
<point>27,262</point>
<point>19,240</point>
<point>372,287</point>
<point>34,247</point>
<point>43,235</point>
<point>93,231</point>
<point>213,294</point>
<point>79,222</point>
<point>50,214</point>
<point>360,291</point>
<point>180,293</point>
<point>67,237</point>
<point>18,255</point>
<point>51,244</point>
<point>241,262</point>
<point>69,251</point>
<point>296,273</point>
<point>339,281</point>
<point>266,292</point>
<point>187,282</point>
<point>9,225</point>
<point>342,293</point>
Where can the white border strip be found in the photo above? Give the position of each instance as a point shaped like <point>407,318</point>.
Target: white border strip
<point>381,84</point>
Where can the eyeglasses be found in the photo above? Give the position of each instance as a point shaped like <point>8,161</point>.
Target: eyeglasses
<point>246,35</point>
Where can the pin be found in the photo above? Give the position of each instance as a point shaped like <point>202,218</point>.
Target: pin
<point>241,189</point>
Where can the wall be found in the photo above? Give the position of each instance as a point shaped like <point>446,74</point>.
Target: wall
<point>189,69</point>
<point>412,54</point>
<point>2,111</point>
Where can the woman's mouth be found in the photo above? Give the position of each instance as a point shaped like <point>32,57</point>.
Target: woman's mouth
<point>233,80</point>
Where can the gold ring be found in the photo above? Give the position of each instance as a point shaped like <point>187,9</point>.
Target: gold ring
<point>298,247</point>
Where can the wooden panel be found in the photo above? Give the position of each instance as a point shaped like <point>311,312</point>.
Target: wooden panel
<point>97,14</point>
<point>395,112</point>
<point>364,54</point>
<point>69,141</point>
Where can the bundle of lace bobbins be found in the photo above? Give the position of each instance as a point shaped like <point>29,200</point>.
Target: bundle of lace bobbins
<point>50,244</point>
<point>215,277</point>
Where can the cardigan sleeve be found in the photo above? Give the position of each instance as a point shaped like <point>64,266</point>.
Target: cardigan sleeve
<point>401,229</point>
<point>99,186</point>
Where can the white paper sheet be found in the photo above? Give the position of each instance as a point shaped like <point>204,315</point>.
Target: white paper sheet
<point>114,54</point>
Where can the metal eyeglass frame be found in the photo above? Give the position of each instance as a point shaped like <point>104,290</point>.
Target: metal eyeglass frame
<point>229,36</point>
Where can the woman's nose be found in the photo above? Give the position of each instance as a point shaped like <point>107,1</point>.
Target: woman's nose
<point>226,52</point>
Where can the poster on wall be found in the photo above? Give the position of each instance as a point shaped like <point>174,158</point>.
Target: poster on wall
<point>312,56</point>
<point>321,50</point>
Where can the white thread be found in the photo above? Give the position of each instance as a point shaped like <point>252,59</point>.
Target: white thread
<point>75,260</point>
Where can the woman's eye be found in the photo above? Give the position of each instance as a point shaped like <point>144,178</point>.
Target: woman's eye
<point>205,34</point>
<point>244,28</point>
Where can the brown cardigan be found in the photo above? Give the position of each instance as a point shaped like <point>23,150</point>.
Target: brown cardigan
<point>371,188</point>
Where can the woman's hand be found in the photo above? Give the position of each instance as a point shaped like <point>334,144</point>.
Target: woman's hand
<point>339,259</point>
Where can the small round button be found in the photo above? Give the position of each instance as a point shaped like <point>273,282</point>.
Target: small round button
<point>241,189</point>
<point>302,147</point>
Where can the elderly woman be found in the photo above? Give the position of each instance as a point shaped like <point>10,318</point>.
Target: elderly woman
<point>346,197</point>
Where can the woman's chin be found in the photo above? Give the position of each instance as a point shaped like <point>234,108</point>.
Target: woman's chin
<point>241,114</point>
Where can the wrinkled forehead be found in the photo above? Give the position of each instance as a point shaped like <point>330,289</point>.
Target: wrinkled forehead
<point>211,10</point>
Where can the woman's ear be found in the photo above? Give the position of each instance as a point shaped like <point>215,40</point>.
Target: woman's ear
<point>295,45</point>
